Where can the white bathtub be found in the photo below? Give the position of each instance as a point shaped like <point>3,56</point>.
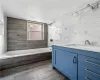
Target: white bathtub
<point>11,54</point>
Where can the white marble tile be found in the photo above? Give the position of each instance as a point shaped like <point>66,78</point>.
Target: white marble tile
<point>18,53</point>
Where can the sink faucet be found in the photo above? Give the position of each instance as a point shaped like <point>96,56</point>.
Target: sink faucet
<point>87,42</point>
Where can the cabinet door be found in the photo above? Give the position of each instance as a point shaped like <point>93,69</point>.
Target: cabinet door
<point>88,68</point>
<point>66,62</point>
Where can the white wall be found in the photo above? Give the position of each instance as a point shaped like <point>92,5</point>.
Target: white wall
<point>5,33</point>
<point>3,42</point>
<point>79,27</point>
<point>38,10</point>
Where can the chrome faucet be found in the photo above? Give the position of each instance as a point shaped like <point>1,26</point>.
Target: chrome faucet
<point>87,42</point>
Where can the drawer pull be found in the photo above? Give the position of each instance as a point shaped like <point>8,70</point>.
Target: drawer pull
<point>75,60</point>
<point>92,63</point>
<point>92,72</point>
<point>87,78</point>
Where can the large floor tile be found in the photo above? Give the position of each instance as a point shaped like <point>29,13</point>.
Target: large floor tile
<point>38,71</point>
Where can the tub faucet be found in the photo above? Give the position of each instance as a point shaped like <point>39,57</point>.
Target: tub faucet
<point>87,42</point>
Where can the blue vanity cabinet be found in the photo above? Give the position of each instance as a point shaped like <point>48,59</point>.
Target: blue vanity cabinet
<point>76,64</point>
<point>65,62</point>
<point>88,68</point>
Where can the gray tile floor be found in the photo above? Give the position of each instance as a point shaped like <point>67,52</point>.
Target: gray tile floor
<point>38,71</point>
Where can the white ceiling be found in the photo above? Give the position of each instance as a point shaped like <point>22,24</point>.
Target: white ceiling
<point>38,10</point>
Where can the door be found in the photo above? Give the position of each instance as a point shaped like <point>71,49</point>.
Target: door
<point>66,62</point>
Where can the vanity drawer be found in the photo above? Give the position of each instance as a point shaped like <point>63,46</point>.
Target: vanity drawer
<point>92,64</point>
<point>92,69</point>
<point>88,68</point>
<point>91,75</point>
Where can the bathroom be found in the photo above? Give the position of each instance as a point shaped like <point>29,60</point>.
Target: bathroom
<point>37,36</point>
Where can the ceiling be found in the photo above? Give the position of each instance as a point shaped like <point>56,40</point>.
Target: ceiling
<point>38,10</point>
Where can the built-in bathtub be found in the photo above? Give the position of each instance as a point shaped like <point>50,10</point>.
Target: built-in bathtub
<point>12,59</point>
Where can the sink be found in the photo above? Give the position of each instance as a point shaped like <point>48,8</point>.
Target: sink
<point>81,45</point>
<point>94,48</point>
<point>72,45</point>
<point>76,45</point>
<point>88,47</point>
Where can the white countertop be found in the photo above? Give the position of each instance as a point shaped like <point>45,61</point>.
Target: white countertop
<point>83,47</point>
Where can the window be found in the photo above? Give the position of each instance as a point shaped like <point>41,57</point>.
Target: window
<point>35,31</point>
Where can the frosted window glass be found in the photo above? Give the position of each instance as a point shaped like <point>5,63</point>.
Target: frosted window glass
<point>34,27</point>
<point>35,36</point>
<point>35,31</point>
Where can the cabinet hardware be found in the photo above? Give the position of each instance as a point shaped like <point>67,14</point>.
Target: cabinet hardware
<point>92,72</point>
<point>87,78</point>
<point>92,63</point>
<point>75,59</point>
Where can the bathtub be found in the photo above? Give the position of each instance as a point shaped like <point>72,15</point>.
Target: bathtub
<point>18,53</point>
<point>17,58</point>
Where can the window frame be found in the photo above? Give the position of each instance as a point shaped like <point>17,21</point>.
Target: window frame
<point>28,32</point>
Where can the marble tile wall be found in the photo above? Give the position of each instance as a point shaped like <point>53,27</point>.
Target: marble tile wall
<point>78,27</point>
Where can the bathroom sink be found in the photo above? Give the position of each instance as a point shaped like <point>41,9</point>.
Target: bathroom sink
<point>75,45</point>
<point>72,45</point>
<point>84,47</point>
